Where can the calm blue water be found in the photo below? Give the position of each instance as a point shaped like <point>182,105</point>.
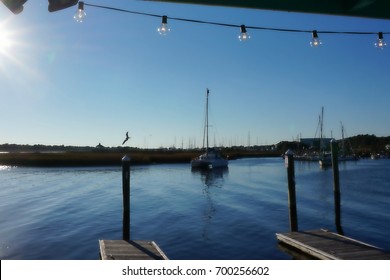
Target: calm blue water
<point>61,213</point>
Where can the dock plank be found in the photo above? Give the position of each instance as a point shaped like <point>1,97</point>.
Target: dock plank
<point>130,250</point>
<point>328,245</point>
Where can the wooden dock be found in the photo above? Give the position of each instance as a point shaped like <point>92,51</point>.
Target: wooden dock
<point>130,250</point>
<point>326,245</point>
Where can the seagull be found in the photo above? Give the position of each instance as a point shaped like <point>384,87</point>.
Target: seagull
<point>127,138</point>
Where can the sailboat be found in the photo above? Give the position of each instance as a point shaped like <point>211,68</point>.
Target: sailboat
<point>325,158</point>
<point>211,158</point>
<point>345,156</point>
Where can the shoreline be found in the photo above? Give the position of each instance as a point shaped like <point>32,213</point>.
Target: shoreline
<point>99,158</point>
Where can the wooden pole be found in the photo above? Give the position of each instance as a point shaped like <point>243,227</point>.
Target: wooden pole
<point>292,204</point>
<point>336,185</point>
<point>126,196</point>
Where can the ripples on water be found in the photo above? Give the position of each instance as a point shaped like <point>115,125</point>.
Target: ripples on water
<point>54,213</point>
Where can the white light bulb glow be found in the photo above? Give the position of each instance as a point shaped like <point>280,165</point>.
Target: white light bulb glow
<point>244,36</point>
<point>315,42</point>
<point>164,28</point>
<point>80,14</point>
<point>380,43</point>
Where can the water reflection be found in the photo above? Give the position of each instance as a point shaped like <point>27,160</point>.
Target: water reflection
<point>210,178</point>
<point>5,167</point>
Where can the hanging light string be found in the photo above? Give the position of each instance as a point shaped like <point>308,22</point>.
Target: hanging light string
<point>233,25</point>
<point>316,32</point>
<point>121,10</point>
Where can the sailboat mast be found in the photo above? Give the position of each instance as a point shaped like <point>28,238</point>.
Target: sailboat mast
<point>206,123</point>
<point>207,120</point>
<point>321,129</point>
<point>342,137</point>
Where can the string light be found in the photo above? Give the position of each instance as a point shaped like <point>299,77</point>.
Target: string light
<point>380,43</point>
<point>315,42</point>
<point>164,29</point>
<point>243,28</point>
<point>244,34</point>
<point>80,14</point>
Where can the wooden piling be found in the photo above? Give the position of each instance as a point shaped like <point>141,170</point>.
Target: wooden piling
<point>127,249</point>
<point>292,205</point>
<point>336,186</point>
<point>126,197</point>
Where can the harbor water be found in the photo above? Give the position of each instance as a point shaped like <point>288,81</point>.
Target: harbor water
<point>61,213</point>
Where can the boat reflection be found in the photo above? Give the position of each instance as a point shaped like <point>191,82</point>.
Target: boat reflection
<point>212,179</point>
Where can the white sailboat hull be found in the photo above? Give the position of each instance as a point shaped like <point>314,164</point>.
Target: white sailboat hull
<point>209,160</point>
<point>209,163</point>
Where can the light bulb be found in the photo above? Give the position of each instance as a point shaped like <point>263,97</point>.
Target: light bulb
<point>164,29</point>
<point>315,42</point>
<point>80,14</point>
<point>244,34</point>
<point>380,43</point>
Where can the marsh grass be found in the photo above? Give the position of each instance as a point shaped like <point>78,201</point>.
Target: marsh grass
<point>92,158</point>
<point>111,158</point>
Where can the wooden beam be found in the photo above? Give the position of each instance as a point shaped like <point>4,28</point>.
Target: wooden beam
<point>130,250</point>
<point>327,245</point>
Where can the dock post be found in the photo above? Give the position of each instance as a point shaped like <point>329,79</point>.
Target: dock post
<point>292,204</point>
<point>126,197</point>
<point>127,249</point>
<point>336,186</point>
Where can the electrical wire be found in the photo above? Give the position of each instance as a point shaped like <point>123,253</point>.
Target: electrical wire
<point>233,25</point>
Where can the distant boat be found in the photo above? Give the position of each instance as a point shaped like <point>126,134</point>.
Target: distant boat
<point>375,156</point>
<point>317,151</point>
<point>346,155</point>
<point>325,158</point>
<point>212,157</point>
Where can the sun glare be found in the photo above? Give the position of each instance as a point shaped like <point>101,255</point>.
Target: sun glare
<point>10,46</point>
<point>17,57</point>
<point>7,41</point>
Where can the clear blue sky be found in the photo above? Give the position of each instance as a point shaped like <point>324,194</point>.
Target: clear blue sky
<point>66,83</point>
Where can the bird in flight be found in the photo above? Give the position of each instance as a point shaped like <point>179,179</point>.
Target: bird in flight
<point>127,138</point>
